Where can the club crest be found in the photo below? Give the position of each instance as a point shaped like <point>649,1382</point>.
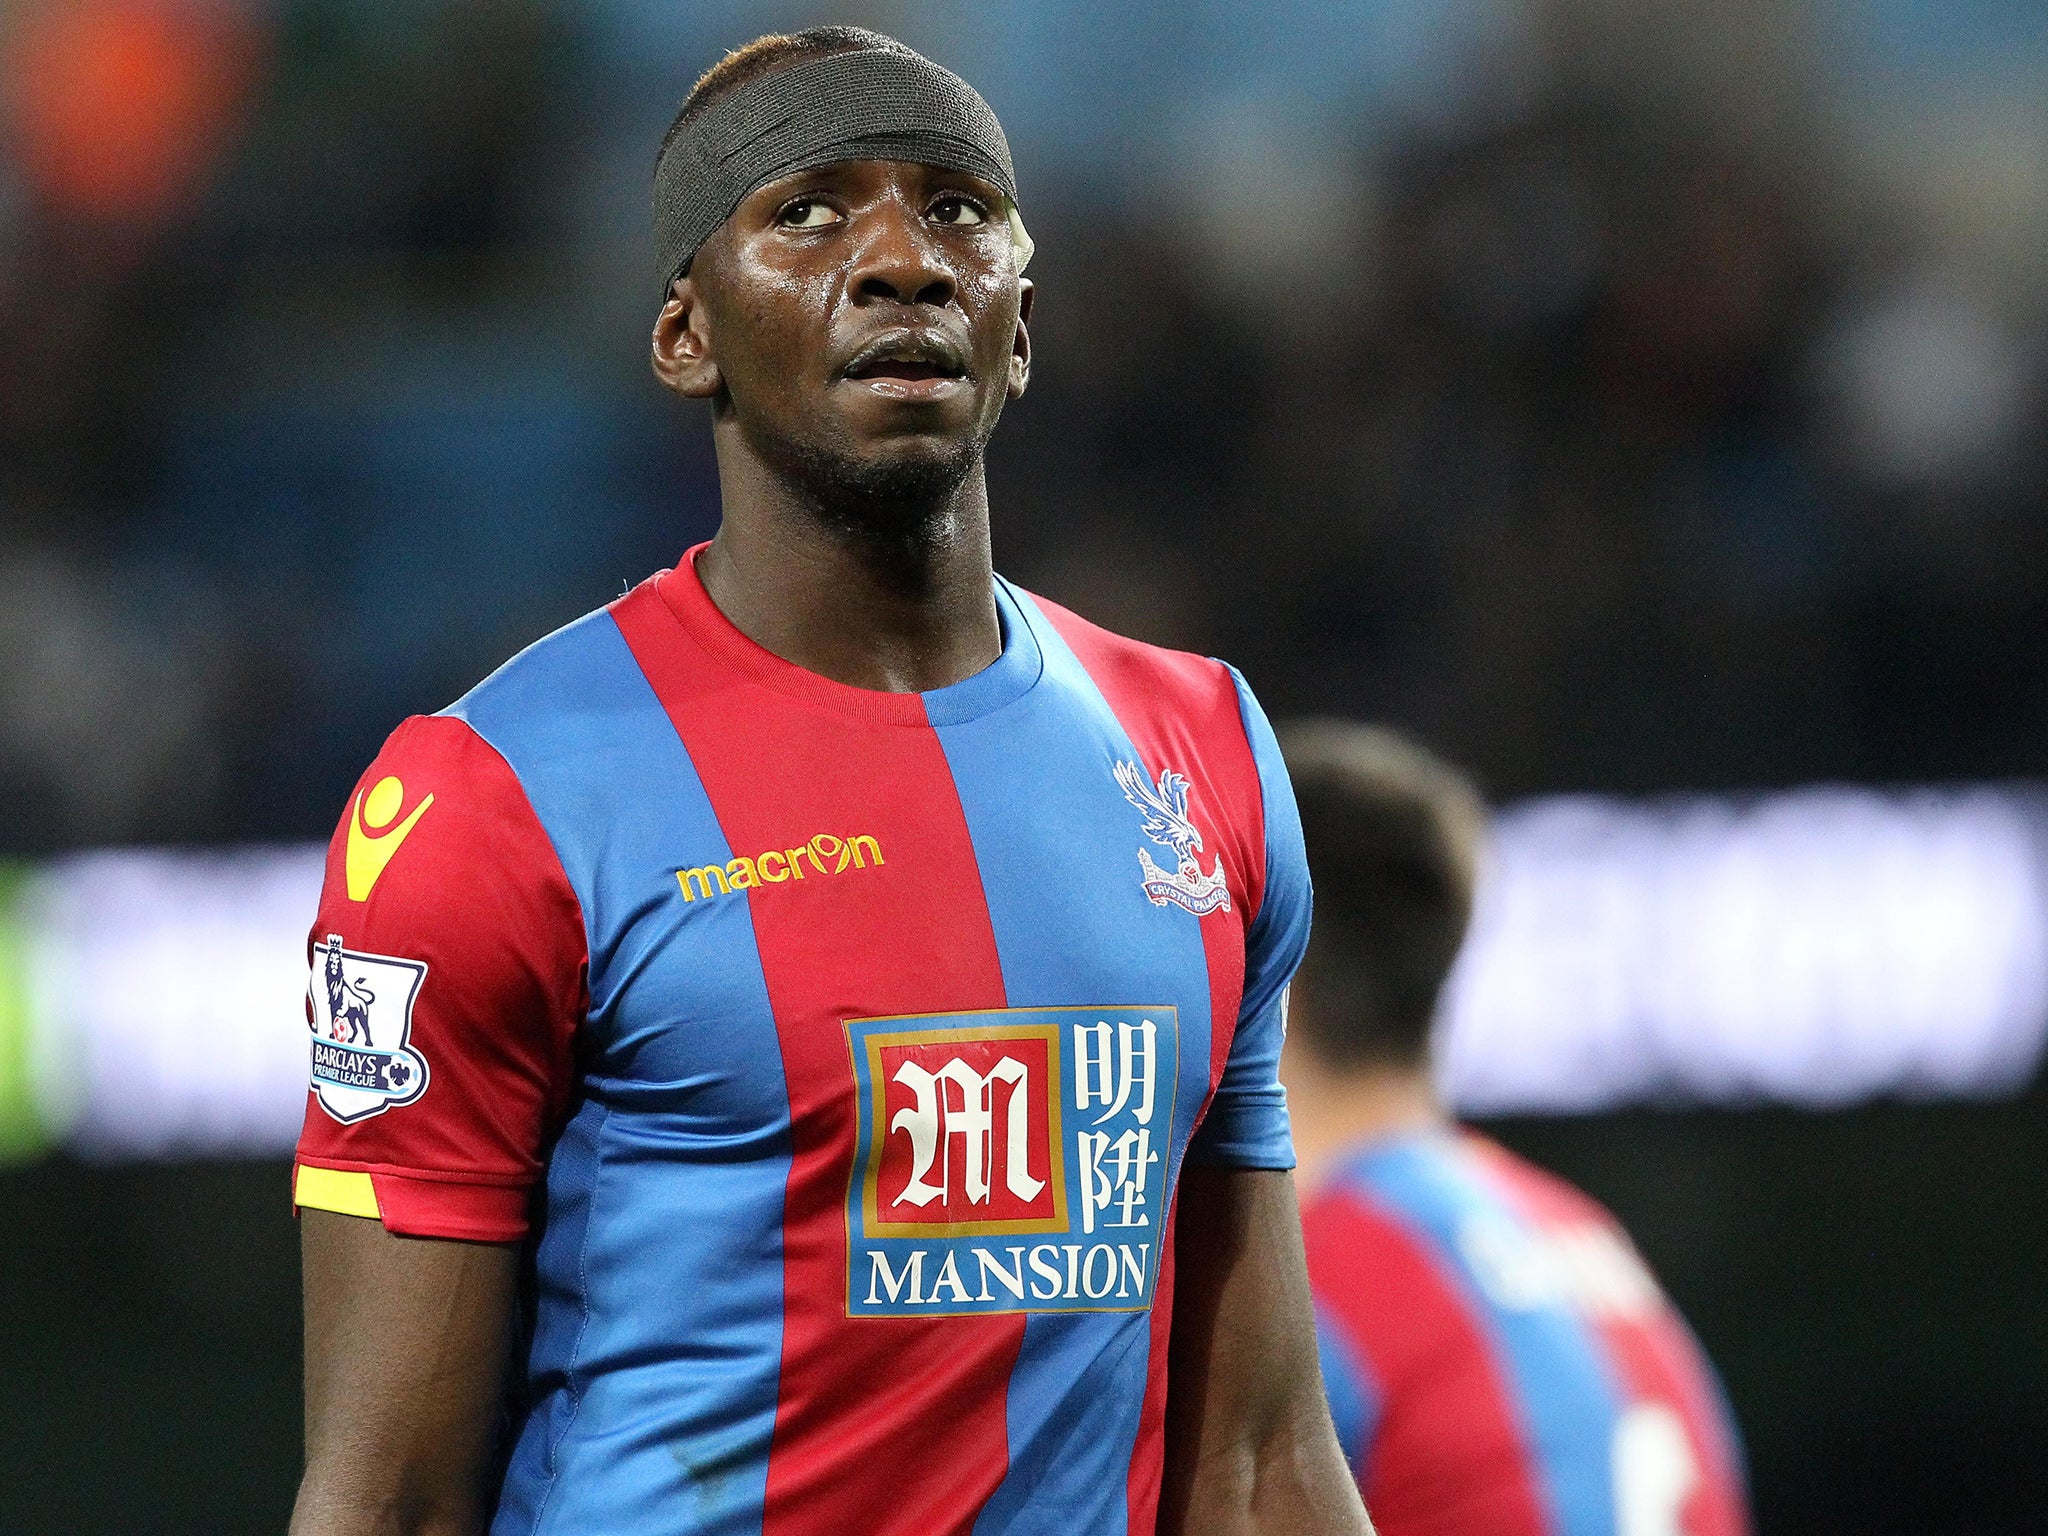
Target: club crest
<point>1165,808</point>
<point>361,1017</point>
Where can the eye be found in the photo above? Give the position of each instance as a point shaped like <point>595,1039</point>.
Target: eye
<point>954,209</point>
<point>806,213</point>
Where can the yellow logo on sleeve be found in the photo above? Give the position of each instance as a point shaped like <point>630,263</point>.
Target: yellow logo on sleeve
<point>369,851</point>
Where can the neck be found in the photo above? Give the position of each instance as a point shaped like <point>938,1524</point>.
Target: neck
<point>1335,1108</point>
<point>897,597</point>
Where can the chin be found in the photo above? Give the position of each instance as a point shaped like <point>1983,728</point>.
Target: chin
<point>903,489</point>
<point>900,481</point>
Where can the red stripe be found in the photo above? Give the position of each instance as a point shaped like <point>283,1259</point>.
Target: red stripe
<point>1652,1349</point>
<point>882,1425</point>
<point>1148,1453</point>
<point>1181,712</point>
<point>1447,1457</point>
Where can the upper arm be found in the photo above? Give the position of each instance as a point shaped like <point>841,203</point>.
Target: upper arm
<point>407,1341</point>
<point>1250,1445</point>
<point>446,987</point>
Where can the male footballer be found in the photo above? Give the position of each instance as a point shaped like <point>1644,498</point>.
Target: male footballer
<point>1499,1360</point>
<point>810,1028</point>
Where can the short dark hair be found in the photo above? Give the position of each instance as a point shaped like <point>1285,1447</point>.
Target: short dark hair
<point>770,52</point>
<point>1394,835</point>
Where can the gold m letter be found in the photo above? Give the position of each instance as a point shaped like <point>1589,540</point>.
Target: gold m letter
<point>704,878</point>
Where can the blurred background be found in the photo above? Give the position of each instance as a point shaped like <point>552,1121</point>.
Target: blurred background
<point>1641,403</point>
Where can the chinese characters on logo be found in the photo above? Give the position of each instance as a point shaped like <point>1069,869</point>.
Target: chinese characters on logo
<point>1115,1173</point>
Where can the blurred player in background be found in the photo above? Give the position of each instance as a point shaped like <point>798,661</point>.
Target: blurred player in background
<point>1499,1361</point>
<point>844,989</point>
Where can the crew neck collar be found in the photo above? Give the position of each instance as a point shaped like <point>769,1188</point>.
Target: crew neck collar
<point>1006,678</point>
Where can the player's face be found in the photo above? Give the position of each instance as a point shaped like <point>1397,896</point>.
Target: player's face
<point>866,316</point>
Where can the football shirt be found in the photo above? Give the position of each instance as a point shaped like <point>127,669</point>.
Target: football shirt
<point>1499,1360</point>
<point>839,1052</point>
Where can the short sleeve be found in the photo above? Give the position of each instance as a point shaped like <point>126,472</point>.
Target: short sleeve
<point>448,976</point>
<point>1246,1126</point>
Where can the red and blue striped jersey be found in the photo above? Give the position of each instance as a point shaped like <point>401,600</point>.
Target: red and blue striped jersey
<point>1499,1360</point>
<point>838,1051</point>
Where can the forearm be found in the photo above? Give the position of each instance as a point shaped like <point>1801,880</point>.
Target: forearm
<point>325,1508</point>
<point>1292,1483</point>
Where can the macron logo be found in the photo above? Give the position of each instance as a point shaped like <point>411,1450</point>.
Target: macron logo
<point>826,855</point>
<point>372,840</point>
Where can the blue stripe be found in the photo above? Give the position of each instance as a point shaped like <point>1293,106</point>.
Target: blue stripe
<point>1057,847</point>
<point>1353,1396</point>
<point>1566,1395</point>
<point>658,1344</point>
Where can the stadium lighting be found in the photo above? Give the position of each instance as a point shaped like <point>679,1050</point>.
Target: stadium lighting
<point>1819,947</point>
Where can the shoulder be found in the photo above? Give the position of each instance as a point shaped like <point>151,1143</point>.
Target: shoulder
<point>1372,1257</point>
<point>1589,1249</point>
<point>554,683</point>
<point>1151,680</point>
<point>450,788</point>
<point>1544,1195</point>
<point>436,803</point>
<point>1194,723</point>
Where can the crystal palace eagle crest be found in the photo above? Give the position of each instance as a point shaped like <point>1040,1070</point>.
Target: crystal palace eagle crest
<point>1165,809</point>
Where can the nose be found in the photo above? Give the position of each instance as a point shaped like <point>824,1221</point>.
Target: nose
<point>898,262</point>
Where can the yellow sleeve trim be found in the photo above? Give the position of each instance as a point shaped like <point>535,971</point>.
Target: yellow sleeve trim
<point>332,1189</point>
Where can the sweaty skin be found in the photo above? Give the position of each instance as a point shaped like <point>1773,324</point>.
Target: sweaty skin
<point>855,544</point>
<point>886,588</point>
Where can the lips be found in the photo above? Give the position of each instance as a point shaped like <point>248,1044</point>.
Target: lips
<point>905,368</point>
<point>907,358</point>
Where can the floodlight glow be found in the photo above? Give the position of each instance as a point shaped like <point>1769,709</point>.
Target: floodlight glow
<point>168,992</point>
<point>1818,947</point>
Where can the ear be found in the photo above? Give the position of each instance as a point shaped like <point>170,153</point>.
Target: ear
<point>1020,348</point>
<point>682,344</point>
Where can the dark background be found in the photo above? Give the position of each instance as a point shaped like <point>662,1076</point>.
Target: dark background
<point>1868,1281</point>
<point>1617,396</point>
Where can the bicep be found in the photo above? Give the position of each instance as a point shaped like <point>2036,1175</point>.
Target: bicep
<point>406,1346</point>
<point>1243,1326</point>
<point>1247,1424</point>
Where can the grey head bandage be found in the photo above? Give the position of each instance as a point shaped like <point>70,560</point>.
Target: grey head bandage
<point>867,104</point>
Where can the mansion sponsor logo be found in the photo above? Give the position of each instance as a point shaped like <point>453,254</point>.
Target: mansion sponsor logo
<point>825,854</point>
<point>977,1129</point>
<point>360,1010</point>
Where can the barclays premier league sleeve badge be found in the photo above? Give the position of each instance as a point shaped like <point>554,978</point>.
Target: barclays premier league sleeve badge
<point>363,1062</point>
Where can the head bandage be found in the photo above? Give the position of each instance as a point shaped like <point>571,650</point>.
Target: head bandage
<point>869,104</point>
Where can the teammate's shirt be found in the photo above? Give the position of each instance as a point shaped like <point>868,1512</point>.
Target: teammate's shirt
<point>1499,1360</point>
<point>839,1050</point>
